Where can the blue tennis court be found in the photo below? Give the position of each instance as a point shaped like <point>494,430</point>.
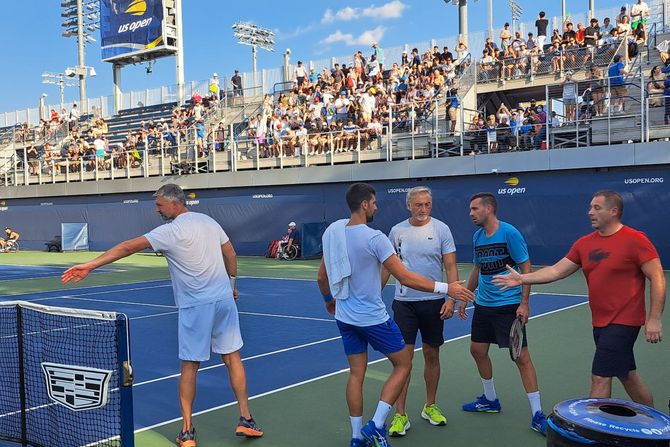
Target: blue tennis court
<point>14,272</point>
<point>289,338</point>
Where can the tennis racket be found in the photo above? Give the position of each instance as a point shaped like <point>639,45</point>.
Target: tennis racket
<point>516,339</point>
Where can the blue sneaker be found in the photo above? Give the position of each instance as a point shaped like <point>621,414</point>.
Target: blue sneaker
<point>483,405</point>
<point>357,442</point>
<point>376,437</point>
<point>539,423</point>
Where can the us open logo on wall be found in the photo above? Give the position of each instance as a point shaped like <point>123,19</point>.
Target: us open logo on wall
<point>77,387</point>
<point>513,187</point>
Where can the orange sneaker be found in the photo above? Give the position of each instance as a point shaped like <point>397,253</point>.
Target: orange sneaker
<point>186,438</point>
<point>248,428</point>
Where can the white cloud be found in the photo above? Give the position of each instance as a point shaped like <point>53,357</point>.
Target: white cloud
<point>366,38</point>
<point>299,31</point>
<point>328,17</point>
<point>390,10</point>
<point>370,36</point>
<point>337,36</point>
<point>348,13</point>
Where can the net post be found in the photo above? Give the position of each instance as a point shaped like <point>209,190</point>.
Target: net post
<point>125,382</point>
<point>22,375</point>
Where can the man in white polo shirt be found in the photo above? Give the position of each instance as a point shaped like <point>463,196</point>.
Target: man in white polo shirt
<point>200,259</point>
<point>424,245</point>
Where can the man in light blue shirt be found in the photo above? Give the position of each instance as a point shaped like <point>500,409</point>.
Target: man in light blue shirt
<point>497,244</point>
<point>361,314</point>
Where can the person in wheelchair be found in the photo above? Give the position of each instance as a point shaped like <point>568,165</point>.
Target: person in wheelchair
<point>10,239</point>
<point>288,246</point>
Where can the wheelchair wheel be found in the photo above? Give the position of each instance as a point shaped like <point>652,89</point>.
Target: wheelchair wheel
<point>292,253</point>
<point>12,247</point>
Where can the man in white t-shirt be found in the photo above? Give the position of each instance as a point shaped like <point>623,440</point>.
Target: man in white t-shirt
<point>353,254</point>
<point>424,245</point>
<point>200,259</point>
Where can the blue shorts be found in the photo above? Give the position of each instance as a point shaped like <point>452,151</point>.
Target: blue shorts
<point>209,327</point>
<point>385,337</point>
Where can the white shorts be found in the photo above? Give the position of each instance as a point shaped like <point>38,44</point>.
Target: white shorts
<point>213,327</point>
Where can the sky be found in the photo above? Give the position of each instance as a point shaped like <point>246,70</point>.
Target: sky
<point>313,30</point>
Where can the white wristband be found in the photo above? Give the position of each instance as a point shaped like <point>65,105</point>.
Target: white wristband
<point>233,280</point>
<point>441,288</point>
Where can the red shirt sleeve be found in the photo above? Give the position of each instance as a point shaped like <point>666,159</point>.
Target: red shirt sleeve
<point>574,255</point>
<point>645,250</point>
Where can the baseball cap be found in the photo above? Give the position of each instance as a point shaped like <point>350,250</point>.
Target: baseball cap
<point>292,224</point>
<point>214,75</point>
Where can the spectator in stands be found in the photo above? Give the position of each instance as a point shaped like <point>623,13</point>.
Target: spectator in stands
<point>592,33</point>
<point>505,37</point>
<point>569,97</point>
<point>238,91</point>
<point>491,128</point>
<point>569,33</point>
<point>32,155</point>
<point>618,90</point>
<point>462,52</point>
<point>300,75</point>
<point>621,15</point>
<point>378,55</point>
<point>656,87</point>
<point>639,14</point>
<point>606,29</point>
<point>623,27</point>
<point>597,86</point>
<point>213,87</point>
<point>580,34</point>
<point>555,123</point>
<point>73,120</point>
<point>541,24</point>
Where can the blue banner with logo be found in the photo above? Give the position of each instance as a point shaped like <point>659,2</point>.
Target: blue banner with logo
<point>130,26</point>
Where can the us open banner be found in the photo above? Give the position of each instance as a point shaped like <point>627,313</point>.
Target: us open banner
<point>129,27</point>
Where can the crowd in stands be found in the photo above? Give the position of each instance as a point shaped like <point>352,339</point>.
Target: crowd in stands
<point>346,108</point>
<point>524,128</point>
<point>518,56</point>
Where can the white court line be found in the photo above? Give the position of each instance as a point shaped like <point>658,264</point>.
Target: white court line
<point>329,320</point>
<point>253,357</point>
<point>79,298</point>
<point>314,379</point>
<point>89,287</point>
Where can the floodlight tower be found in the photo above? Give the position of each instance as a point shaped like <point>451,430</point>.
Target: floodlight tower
<point>82,17</point>
<point>517,10</point>
<point>62,81</point>
<point>253,35</point>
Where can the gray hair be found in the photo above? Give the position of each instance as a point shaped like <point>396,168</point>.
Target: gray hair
<point>417,190</point>
<point>171,193</point>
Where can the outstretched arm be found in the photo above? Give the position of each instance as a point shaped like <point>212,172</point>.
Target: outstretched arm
<point>126,248</point>
<point>419,282</point>
<point>560,270</point>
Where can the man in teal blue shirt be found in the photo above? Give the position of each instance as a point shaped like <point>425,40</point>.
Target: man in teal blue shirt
<point>495,245</point>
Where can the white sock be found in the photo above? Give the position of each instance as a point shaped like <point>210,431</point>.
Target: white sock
<point>535,405</point>
<point>383,410</point>
<point>356,425</point>
<point>489,389</point>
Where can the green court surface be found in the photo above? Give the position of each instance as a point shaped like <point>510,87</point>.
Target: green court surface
<point>315,413</point>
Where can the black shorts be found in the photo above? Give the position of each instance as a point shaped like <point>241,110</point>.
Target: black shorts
<point>614,350</point>
<point>414,316</point>
<point>492,324</point>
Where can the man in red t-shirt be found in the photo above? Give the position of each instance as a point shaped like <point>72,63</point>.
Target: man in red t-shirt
<point>616,260</point>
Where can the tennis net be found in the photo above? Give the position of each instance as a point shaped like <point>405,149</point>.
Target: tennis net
<point>67,379</point>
